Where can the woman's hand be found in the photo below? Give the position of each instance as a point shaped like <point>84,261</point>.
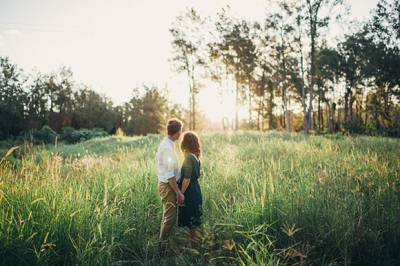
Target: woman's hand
<point>185,184</point>
<point>180,198</point>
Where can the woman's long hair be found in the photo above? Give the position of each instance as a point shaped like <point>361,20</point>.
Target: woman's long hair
<point>191,143</point>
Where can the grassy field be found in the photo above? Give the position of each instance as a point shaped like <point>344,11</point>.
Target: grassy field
<point>269,199</point>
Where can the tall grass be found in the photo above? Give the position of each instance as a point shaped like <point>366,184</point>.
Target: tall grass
<point>269,199</point>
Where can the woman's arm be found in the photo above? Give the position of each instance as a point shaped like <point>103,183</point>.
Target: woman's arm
<point>185,184</point>
<point>187,168</point>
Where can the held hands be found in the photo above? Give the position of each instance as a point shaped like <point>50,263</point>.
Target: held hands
<point>180,198</point>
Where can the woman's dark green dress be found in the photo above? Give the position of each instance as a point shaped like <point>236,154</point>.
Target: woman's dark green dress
<point>190,215</point>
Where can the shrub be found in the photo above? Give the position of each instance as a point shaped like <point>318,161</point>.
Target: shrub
<point>45,135</point>
<point>98,132</point>
<point>71,135</point>
<point>394,128</point>
<point>355,126</point>
<point>66,134</point>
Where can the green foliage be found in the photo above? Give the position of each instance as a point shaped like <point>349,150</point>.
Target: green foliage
<point>49,100</point>
<point>93,110</point>
<point>189,54</point>
<point>12,98</point>
<point>45,135</point>
<point>147,112</point>
<point>66,134</point>
<point>71,135</point>
<point>55,100</point>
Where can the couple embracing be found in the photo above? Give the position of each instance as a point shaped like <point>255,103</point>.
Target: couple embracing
<point>178,184</point>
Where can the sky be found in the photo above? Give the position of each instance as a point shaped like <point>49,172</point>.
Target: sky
<point>118,45</point>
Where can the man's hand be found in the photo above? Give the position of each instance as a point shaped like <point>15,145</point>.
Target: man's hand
<point>180,198</point>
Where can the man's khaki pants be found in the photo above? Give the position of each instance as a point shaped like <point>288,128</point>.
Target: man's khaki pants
<point>168,198</point>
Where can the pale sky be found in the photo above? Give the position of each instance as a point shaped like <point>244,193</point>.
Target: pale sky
<point>116,45</point>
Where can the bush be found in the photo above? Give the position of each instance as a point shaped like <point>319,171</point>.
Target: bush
<point>66,134</point>
<point>355,126</point>
<point>98,132</point>
<point>71,135</point>
<point>81,135</point>
<point>394,128</point>
<point>45,135</point>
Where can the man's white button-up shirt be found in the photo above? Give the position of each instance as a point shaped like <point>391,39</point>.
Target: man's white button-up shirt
<point>167,161</point>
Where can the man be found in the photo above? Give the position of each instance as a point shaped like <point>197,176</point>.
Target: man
<point>168,172</point>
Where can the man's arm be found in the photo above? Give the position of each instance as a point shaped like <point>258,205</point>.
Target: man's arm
<point>169,162</point>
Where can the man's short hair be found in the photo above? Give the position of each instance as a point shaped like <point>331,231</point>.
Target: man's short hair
<point>174,125</point>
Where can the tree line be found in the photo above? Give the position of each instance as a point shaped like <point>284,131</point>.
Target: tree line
<point>29,102</point>
<point>283,69</point>
<point>287,72</point>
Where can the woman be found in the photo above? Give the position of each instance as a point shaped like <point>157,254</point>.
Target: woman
<point>190,213</point>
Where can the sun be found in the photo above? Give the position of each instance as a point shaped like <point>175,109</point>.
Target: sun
<point>215,106</point>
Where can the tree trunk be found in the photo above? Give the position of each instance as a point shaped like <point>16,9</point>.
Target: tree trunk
<point>286,111</point>
<point>334,123</point>
<point>262,111</point>
<point>322,118</point>
<point>261,105</point>
<point>346,106</point>
<point>193,99</point>
<point>303,99</point>
<point>260,108</point>
<point>303,91</point>
<point>330,122</point>
<point>237,106</point>
<point>319,111</point>
<point>284,87</point>
<point>259,113</point>
<point>271,122</point>
<point>190,94</point>
<point>375,112</point>
<point>312,71</point>
<point>250,115</point>
<point>313,118</point>
<point>351,101</point>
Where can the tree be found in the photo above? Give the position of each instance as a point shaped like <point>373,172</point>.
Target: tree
<point>329,74</point>
<point>283,52</point>
<point>91,110</point>
<point>353,68</point>
<point>146,113</point>
<point>371,57</point>
<point>315,21</point>
<point>59,90</point>
<point>248,54</point>
<point>385,23</point>
<point>37,102</point>
<point>301,84</point>
<point>12,99</point>
<point>188,53</point>
<point>222,51</point>
<point>235,49</point>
